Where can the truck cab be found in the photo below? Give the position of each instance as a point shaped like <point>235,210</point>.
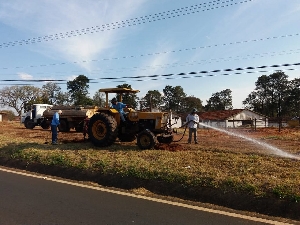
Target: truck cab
<point>34,116</point>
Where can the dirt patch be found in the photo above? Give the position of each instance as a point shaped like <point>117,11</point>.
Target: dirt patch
<point>75,140</point>
<point>170,147</point>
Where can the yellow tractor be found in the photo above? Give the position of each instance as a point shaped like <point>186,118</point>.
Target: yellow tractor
<point>105,126</point>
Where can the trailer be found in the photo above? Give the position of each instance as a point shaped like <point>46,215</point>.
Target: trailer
<point>72,117</point>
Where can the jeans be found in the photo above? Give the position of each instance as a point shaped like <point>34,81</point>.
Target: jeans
<point>54,133</point>
<point>191,132</point>
<point>122,117</point>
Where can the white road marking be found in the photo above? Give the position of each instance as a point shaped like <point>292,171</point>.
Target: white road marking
<point>230,214</point>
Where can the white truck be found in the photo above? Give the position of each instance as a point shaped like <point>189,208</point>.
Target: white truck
<point>34,116</point>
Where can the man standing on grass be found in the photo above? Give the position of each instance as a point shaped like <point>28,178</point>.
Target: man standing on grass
<point>192,121</point>
<point>54,125</point>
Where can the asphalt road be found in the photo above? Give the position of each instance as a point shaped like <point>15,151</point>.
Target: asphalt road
<point>29,199</point>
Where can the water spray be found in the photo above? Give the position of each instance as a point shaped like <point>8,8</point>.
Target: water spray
<point>275,150</point>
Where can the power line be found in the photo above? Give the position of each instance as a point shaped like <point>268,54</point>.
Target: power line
<point>160,53</point>
<point>197,74</point>
<point>229,58</point>
<point>129,22</point>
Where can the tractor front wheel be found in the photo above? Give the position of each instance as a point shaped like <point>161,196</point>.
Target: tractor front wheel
<point>146,140</point>
<point>29,124</point>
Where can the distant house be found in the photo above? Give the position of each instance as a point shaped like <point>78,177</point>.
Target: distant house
<point>3,116</point>
<point>232,119</point>
<point>176,121</point>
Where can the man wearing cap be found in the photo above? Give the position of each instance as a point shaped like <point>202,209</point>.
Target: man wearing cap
<point>119,106</point>
<point>54,125</point>
<point>192,121</point>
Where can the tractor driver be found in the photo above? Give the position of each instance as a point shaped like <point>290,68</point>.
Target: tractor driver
<point>119,106</point>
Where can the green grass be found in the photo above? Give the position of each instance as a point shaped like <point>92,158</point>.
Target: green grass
<point>228,166</point>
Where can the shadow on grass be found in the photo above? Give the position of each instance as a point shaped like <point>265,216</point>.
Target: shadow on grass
<point>9,156</point>
<point>69,144</point>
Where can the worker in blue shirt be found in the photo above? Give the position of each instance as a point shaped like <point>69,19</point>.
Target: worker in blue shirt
<point>54,125</point>
<point>119,106</point>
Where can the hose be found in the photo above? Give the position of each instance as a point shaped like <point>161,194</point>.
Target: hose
<point>183,131</point>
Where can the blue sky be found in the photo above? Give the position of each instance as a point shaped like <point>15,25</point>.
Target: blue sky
<point>43,39</point>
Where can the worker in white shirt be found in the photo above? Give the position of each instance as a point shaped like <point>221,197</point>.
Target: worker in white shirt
<point>192,121</point>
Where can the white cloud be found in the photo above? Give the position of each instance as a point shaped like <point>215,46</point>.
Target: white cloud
<point>70,78</point>
<point>42,17</point>
<point>25,76</point>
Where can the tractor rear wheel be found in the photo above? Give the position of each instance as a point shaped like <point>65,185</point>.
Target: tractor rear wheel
<point>102,129</point>
<point>146,140</point>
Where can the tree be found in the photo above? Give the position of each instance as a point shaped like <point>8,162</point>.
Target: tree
<point>279,89</point>
<point>152,100</point>
<point>253,102</point>
<point>50,92</point>
<point>63,98</point>
<point>78,89</point>
<point>220,101</point>
<point>292,101</point>
<point>191,102</point>
<point>99,99</point>
<point>270,95</point>
<point>19,97</point>
<point>173,97</point>
<point>128,98</point>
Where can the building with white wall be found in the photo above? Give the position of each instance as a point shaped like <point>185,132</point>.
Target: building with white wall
<point>233,119</point>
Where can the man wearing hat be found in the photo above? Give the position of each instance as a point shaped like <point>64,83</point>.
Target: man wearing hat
<point>192,121</point>
<point>119,106</point>
<point>54,125</point>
